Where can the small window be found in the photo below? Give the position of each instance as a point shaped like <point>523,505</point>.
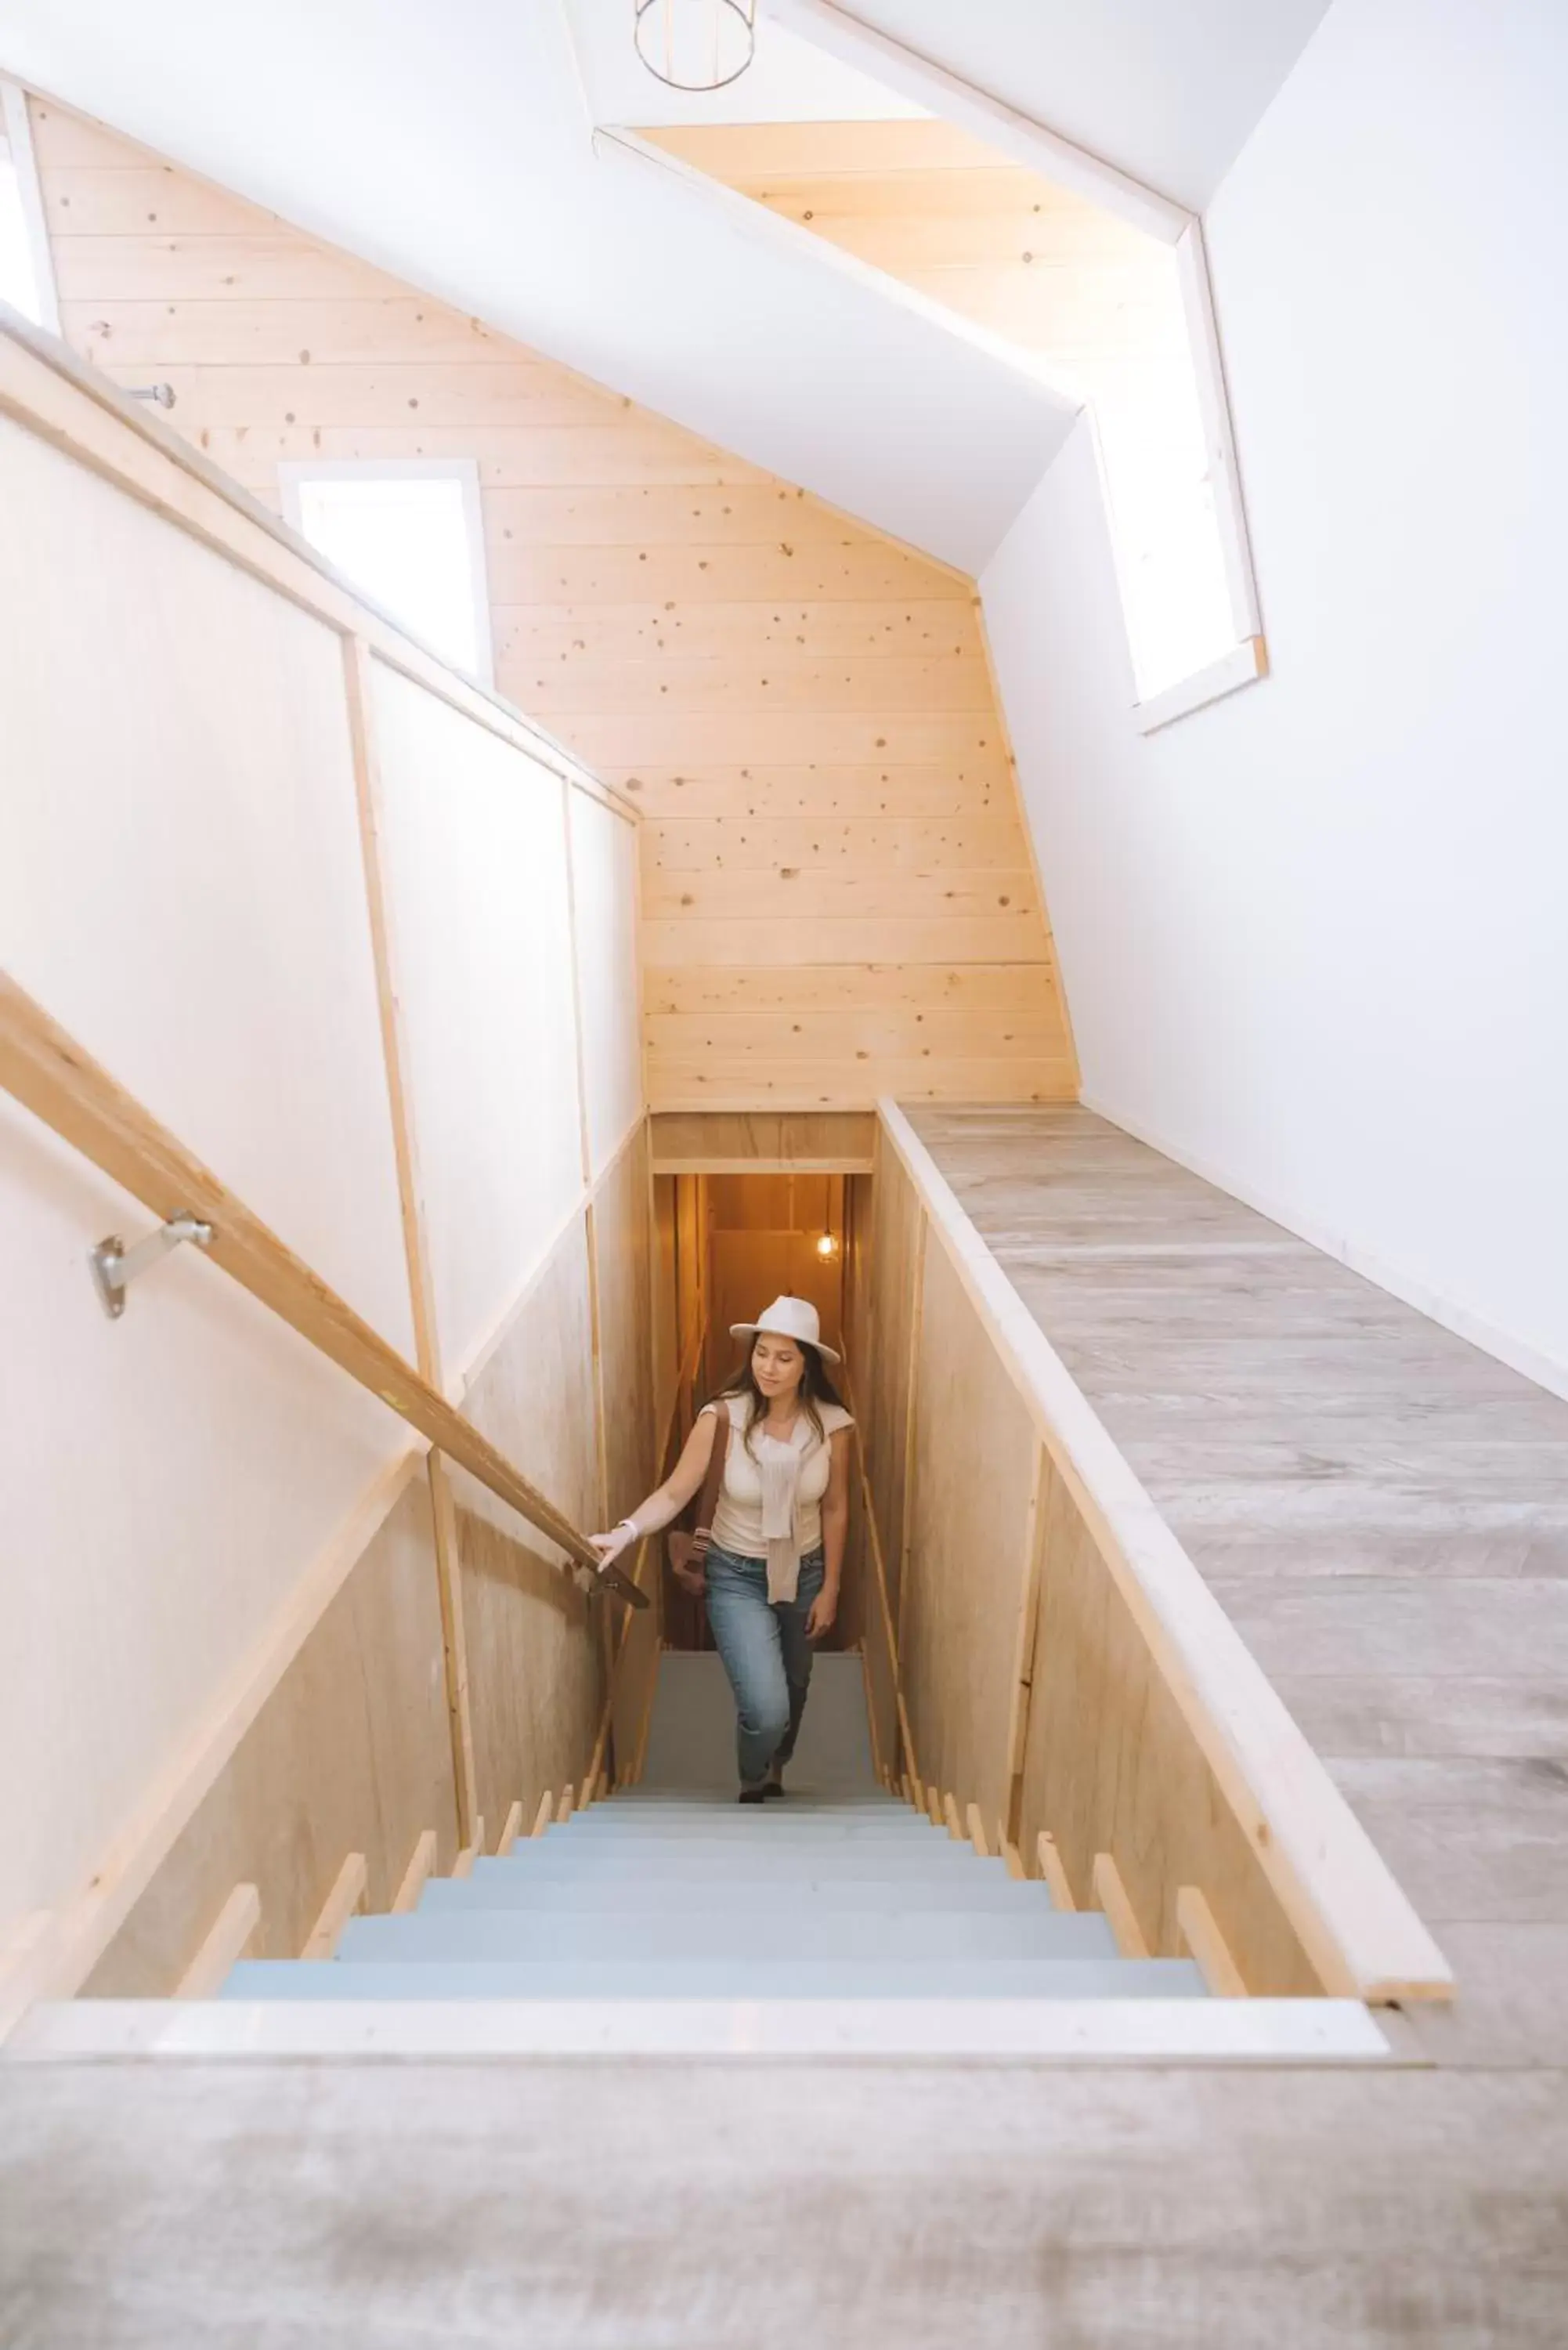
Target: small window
<point>26,280</point>
<point>410,534</point>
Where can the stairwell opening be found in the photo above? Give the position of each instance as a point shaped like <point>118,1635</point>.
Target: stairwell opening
<point>729,1242</point>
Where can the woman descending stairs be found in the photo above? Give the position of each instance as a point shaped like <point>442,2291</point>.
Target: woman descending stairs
<point>838,1892</point>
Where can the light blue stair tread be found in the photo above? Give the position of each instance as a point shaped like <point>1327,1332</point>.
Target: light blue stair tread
<point>809,1804</point>
<point>694,1803</point>
<point>609,1897</point>
<point>622,1864</point>
<point>681,1979</point>
<point>702,1933</point>
<point>771,1821</point>
<point>698,1862</point>
<point>745,1826</point>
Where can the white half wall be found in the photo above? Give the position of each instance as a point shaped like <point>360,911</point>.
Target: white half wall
<point>1314,938</point>
<point>605,895</point>
<point>474,867</point>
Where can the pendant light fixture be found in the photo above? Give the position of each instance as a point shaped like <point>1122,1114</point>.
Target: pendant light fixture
<point>696,44</point>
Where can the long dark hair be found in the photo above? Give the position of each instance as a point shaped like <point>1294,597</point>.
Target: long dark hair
<point>815,1389</point>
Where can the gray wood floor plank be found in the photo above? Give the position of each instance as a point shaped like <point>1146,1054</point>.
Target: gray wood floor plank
<point>1509,1718</point>
<point>1381,1508</point>
<point>1517,1627</point>
<point>1482,1841</point>
<point>607,2207</point>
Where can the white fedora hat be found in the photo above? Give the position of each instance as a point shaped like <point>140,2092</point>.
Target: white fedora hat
<point>788,1318</point>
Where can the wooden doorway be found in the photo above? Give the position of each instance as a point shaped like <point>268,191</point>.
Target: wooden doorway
<point>730,1243</point>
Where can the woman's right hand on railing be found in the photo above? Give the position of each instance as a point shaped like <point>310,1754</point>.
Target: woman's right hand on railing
<point>619,1538</point>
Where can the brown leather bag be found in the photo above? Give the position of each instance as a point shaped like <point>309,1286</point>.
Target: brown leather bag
<point>688,1551</point>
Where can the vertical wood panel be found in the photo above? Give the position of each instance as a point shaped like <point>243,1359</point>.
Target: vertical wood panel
<point>884,1378</point>
<point>1110,1766</point>
<point>967,1561</point>
<point>623,1244</point>
<point>536,1682</point>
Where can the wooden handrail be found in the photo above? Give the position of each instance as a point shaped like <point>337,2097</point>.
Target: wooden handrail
<point>46,1070</point>
<point>1352,1917</point>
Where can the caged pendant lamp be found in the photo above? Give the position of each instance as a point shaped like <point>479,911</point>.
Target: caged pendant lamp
<point>696,44</point>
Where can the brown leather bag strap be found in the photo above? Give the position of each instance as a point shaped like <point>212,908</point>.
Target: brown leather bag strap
<point>708,1501</point>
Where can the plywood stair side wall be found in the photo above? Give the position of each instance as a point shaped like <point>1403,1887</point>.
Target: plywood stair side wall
<point>1029,1689</point>
<point>839,896</point>
<point>349,1753</point>
<point>535,1668</point>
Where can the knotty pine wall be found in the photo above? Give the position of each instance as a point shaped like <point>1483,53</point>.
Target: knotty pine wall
<point>839,896</point>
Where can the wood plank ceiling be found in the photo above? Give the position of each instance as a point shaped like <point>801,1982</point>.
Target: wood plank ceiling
<point>1097,302</point>
<point>839,898</point>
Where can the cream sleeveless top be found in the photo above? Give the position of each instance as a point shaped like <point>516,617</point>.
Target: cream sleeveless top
<point>770,1504</point>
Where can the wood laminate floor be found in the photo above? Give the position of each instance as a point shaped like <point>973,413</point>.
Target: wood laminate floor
<point>1381,1508</point>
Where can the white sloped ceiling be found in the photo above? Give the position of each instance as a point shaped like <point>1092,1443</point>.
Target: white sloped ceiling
<point>1168,91</point>
<point>451,145</point>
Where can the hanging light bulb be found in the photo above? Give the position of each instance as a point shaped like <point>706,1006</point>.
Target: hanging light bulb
<point>828,1247</point>
<point>696,44</point>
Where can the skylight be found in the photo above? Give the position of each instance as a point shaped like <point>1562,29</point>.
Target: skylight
<point>410,535</point>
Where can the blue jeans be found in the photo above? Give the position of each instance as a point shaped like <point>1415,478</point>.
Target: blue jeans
<point>765,1653</point>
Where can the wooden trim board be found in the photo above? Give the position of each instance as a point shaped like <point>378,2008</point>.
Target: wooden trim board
<point>348,1895</point>
<point>1224,470</point>
<point>1247,664</point>
<point>464,1864</point>
<point>1201,1938</point>
<point>1111,1896</point>
<point>18,132</point>
<point>224,1945</point>
<point>421,1868</point>
<point>1053,1870</point>
<point>763,1142</point>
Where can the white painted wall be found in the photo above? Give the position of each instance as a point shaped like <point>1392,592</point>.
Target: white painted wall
<point>181,877</point>
<point>182,886</point>
<point>1313,939</point>
<point>605,889</point>
<point>474,858</point>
